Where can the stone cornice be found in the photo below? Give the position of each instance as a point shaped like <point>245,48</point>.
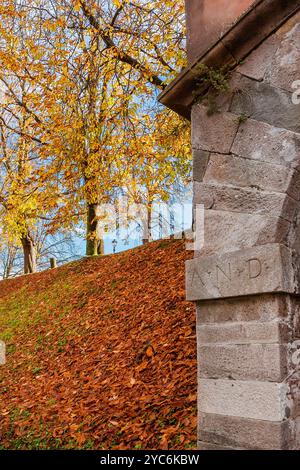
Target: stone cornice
<point>251,29</point>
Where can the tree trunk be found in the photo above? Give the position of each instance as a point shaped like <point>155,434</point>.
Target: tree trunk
<point>9,262</point>
<point>94,245</point>
<point>29,251</point>
<point>147,226</point>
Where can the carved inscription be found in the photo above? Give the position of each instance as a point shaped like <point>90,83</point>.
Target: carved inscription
<point>254,267</point>
<point>266,268</point>
<point>224,273</point>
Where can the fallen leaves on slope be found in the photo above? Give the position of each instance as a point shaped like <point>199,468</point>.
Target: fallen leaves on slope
<point>101,354</point>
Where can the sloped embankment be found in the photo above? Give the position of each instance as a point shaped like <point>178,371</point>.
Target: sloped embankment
<point>101,354</point>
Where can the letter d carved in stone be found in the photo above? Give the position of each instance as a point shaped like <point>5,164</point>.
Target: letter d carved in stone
<point>254,268</point>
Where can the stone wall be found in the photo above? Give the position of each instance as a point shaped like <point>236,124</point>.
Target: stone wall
<point>246,277</point>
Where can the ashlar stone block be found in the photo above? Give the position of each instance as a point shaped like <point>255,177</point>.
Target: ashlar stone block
<point>244,433</point>
<point>242,398</point>
<point>247,332</point>
<point>264,142</point>
<point>266,362</point>
<point>247,173</point>
<point>266,103</point>
<point>213,133</point>
<point>262,308</point>
<point>231,231</point>
<point>261,269</point>
<point>223,198</point>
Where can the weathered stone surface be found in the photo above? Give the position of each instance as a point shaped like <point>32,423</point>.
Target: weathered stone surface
<point>297,326</point>
<point>294,236</point>
<point>223,198</point>
<point>213,133</point>
<point>294,187</point>
<point>250,271</point>
<point>200,161</point>
<point>243,361</point>
<point>220,101</point>
<point>243,172</point>
<point>226,231</point>
<point>296,317</point>
<point>264,308</point>
<point>266,103</point>
<point>260,141</point>
<point>244,433</point>
<point>262,332</point>
<point>296,442</point>
<point>285,67</point>
<point>256,65</point>
<point>242,398</point>
<point>294,402</point>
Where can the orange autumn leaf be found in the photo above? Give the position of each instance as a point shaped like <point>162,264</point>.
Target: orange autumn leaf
<point>150,351</point>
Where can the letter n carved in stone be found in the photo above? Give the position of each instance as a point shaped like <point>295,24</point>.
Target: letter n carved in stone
<point>221,272</point>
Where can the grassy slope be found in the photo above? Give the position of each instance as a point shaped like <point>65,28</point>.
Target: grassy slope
<point>101,354</point>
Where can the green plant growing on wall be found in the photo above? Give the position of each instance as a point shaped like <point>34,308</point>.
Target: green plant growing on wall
<point>213,77</point>
<point>210,83</point>
<point>242,118</point>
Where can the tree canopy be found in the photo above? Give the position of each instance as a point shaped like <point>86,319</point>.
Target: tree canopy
<point>79,120</point>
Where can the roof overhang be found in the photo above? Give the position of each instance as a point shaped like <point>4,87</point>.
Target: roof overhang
<point>262,19</point>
